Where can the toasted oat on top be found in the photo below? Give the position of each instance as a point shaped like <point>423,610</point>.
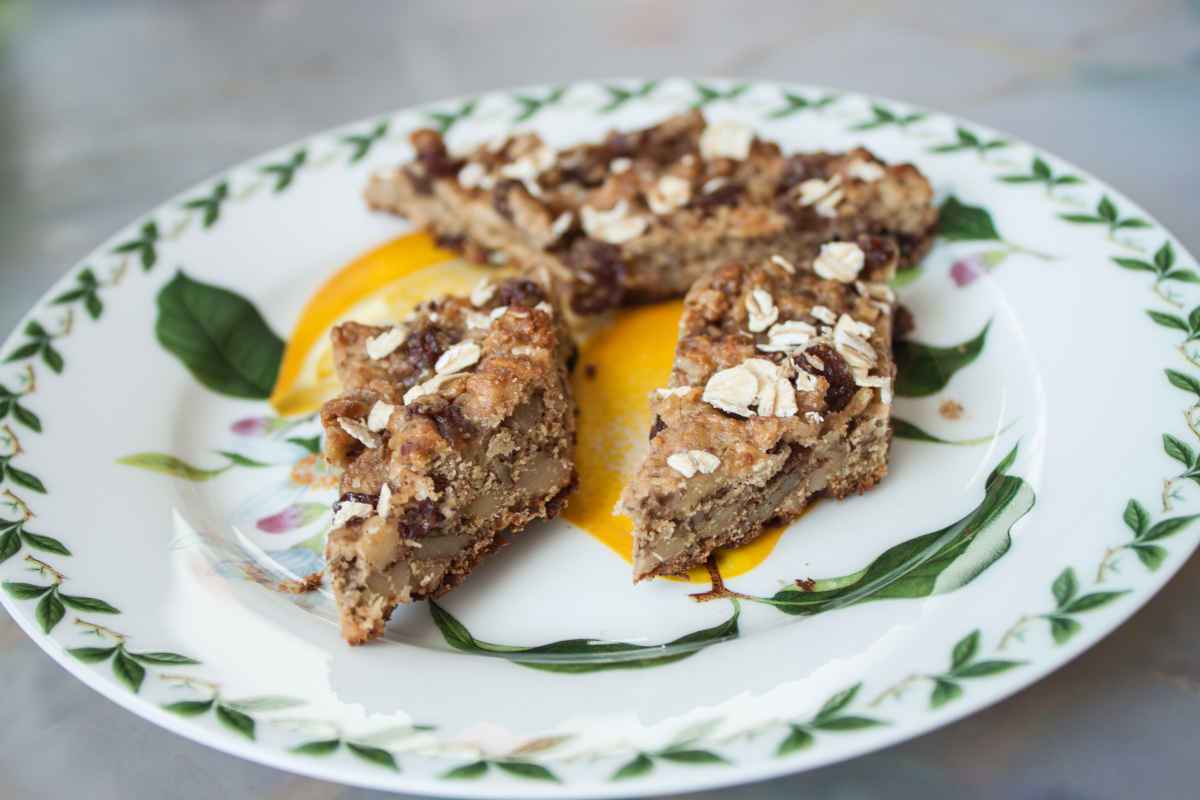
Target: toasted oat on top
<point>643,214</point>
<point>454,428</point>
<point>780,392</point>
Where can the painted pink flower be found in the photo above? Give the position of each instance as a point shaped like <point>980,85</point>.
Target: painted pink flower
<point>297,515</point>
<point>966,270</point>
<point>252,426</point>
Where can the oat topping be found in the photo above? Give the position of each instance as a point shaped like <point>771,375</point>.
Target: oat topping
<point>805,382</point>
<point>482,292</point>
<point>384,344</point>
<point>528,167</point>
<point>726,139</point>
<point>824,314</point>
<point>875,291</point>
<point>430,386</point>
<point>459,357</point>
<point>350,510</point>
<point>784,337</point>
<point>884,385</point>
<point>775,397</point>
<point>854,326</point>
<point>381,412</point>
<point>561,224</point>
<point>712,184</point>
<point>839,261</point>
<point>815,362</point>
<point>865,170</point>
<point>688,462</point>
<point>473,175</point>
<point>619,165</point>
<point>678,391</point>
<point>732,390</point>
<point>760,307</point>
<point>827,206</point>
<point>783,264</point>
<point>814,417</point>
<point>478,322</point>
<point>851,345</point>
<point>814,190</point>
<point>614,226</point>
<point>384,506</point>
<point>545,308</point>
<point>498,312</point>
<point>359,431</point>
<point>525,350</point>
<point>671,192</point>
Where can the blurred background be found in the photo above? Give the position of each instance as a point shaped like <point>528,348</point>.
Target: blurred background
<point>106,109</point>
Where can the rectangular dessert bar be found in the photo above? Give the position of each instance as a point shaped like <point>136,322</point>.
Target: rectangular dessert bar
<point>454,428</point>
<point>641,215</point>
<point>780,392</point>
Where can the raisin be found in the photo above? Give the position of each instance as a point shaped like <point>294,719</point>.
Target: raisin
<point>602,262</point>
<point>500,200</point>
<point>519,293</point>
<point>573,359</point>
<point>903,323</point>
<point>453,425</point>
<point>418,519</point>
<point>725,195</point>
<point>657,427</point>
<point>355,497</point>
<point>879,251</point>
<point>453,242</point>
<point>432,154</point>
<point>420,180</point>
<point>835,370</point>
<point>424,346</point>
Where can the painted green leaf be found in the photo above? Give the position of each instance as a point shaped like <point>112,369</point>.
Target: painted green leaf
<point>170,465</point>
<point>162,658</point>
<point>924,369</point>
<point>264,703</point>
<point>1149,554</point>
<point>965,650</point>
<point>24,351</point>
<point>1136,517</point>
<point>960,222</point>
<point>374,755</point>
<point>312,443</point>
<point>10,544</point>
<point>637,767</point>
<point>1091,601</point>
<point>322,748</point>
<point>467,771</point>
<point>47,543</point>
<point>24,591</point>
<point>26,417</point>
<point>49,611</point>
<point>528,771</point>
<point>89,604</point>
<point>241,460</point>
<point>1182,381</point>
<point>584,655</point>
<point>189,708</point>
<point>1063,628</point>
<point>1178,450</point>
<point>797,739</point>
<point>691,757</point>
<point>981,669</point>
<point>219,336</point>
<point>1064,587</point>
<point>1134,264</point>
<point>1168,320</point>
<point>236,721</point>
<point>933,563</point>
<point>847,723</point>
<point>838,701</point>
<point>26,479</point>
<point>1167,527</point>
<point>128,671</point>
<point>92,655</point>
<point>943,692</point>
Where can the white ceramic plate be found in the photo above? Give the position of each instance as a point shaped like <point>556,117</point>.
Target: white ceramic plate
<point>151,513</point>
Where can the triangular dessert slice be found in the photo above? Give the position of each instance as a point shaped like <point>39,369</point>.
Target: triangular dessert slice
<point>780,393</point>
<point>454,428</point>
<point>641,215</point>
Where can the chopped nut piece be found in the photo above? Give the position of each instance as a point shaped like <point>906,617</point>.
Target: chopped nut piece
<point>761,310</point>
<point>381,412</point>
<point>359,431</point>
<point>482,292</point>
<point>814,417</point>
<point>726,139</point>
<point>783,264</point>
<point>350,510</point>
<point>384,344</point>
<point>614,226</point>
<point>474,175</point>
<point>561,224</point>
<point>678,391</point>
<point>805,381</point>
<point>459,357</point>
<point>671,192</point>
<point>839,261</point>
<point>688,462</point>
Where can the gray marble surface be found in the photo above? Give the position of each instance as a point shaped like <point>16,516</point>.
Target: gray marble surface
<point>107,108</point>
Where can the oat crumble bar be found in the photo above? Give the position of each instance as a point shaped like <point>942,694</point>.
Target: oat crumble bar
<point>780,392</point>
<point>643,214</point>
<point>454,429</point>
